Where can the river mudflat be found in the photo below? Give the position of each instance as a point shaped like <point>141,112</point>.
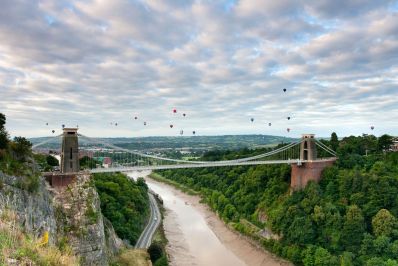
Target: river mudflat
<point>198,237</point>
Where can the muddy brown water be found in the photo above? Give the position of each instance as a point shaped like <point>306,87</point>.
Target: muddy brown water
<point>198,237</point>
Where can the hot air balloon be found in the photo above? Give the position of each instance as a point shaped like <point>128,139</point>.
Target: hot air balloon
<point>135,118</point>
<point>193,132</point>
<point>284,90</point>
<point>144,123</point>
<point>46,124</point>
<point>115,124</point>
<point>252,119</point>
<point>372,127</point>
<point>269,124</point>
<point>171,126</point>
<point>184,114</point>
<point>288,129</point>
<point>174,110</point>
<point>288,118</point>
<point>53,131</point>
<point>181,132</point>
<point>63,126</point>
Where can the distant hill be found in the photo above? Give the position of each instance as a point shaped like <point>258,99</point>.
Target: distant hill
<point>223,142</point>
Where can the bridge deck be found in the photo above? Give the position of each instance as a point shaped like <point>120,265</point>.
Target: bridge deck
<point>210,164</point>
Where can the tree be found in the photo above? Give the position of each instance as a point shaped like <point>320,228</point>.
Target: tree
<point>346,259</point>
<point>353,228</point>
<point>376,261</point>
<point>3,133</point>
<point>21,148</point>
<point>52,161</point>
<point>322,257</point>
<point>155,252</point>
<point>334,141</point>
<point>2,121</point>
<point>384,142</point>
<point>383,223</point>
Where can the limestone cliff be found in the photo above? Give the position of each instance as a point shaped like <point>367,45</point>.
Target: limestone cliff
<point>35,211</point>
<point>71,215</point>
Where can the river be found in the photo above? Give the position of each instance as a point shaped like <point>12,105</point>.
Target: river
<point>198,237</point>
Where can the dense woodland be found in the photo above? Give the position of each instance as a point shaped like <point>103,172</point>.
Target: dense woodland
<point>349,218</point>
<point>124,202</point>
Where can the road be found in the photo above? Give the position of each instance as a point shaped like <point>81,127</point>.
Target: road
<point>154,220</point>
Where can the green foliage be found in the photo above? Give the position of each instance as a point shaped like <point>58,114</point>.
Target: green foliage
<point>334,141</point>
<point>349,218</point>
<point>384,223</point>
<point>162,261</point>
<point>88,163</point>
<point>353,228</point>
<point>21,148</point>
<point>124,202</point>
<point>52,161</point>
<point>155,252</point>
<point>384,142</point>
<point>3,133</point>
<point>2,121</point>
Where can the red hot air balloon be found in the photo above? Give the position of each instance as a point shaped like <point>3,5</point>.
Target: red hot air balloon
<point>171,126</point>
<point>174,110</point>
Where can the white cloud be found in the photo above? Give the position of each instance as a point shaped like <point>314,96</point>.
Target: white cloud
<point>94,62</point>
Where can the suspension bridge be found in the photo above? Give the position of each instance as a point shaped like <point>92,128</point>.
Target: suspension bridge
<point>308,156</point>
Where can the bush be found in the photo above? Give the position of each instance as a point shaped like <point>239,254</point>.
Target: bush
<point>51,160</point>
<point>155,252</point>
<point>162,261</point>
<point>21,148</point>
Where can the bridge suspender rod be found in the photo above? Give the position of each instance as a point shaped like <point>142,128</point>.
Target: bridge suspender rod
<point>46,141</point>
<point>274,152</point>
<point>326,148</point>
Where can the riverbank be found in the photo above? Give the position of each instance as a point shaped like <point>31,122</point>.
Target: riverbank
<point>242,247</point>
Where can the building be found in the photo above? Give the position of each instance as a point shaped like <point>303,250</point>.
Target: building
<point>394,146</point>
<point>106,162</point>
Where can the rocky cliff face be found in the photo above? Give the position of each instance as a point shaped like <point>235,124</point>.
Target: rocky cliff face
<point>34,210</point>
<point>71,215</point>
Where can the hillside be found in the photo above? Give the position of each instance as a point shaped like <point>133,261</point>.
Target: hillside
<point>204,143</point>
<point>349,218</point>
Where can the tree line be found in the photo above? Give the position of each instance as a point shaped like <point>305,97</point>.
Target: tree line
<point>348,218</point>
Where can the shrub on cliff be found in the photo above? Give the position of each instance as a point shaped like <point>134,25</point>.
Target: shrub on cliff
<point>124,202</point>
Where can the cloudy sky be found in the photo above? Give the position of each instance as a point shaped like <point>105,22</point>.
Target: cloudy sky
<point>96,62</point>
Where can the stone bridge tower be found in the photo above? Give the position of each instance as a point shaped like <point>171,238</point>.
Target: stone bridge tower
<point>309,168</point>
<point>308,148</point>
<point>70,151</point>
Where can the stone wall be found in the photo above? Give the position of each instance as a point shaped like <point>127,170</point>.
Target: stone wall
<point>309,171</point>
